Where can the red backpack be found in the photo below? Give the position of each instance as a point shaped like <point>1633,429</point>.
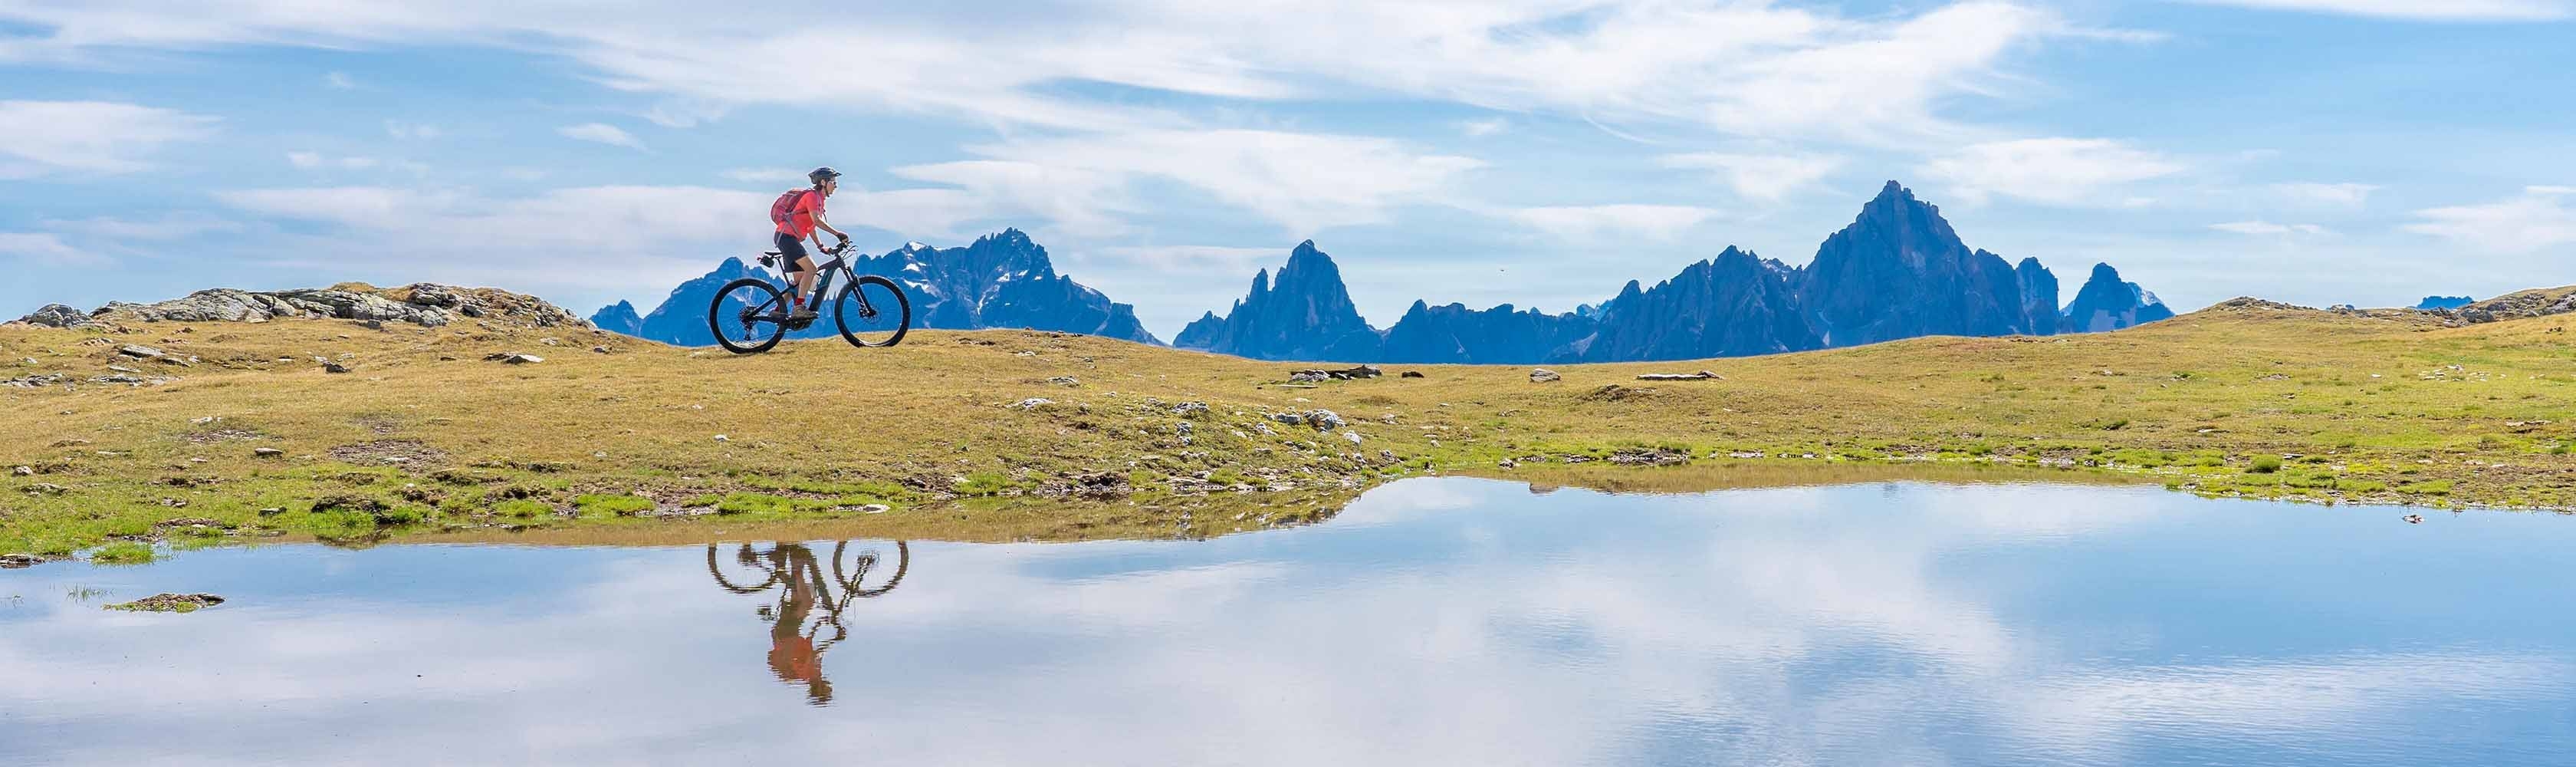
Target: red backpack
<point>786,205</point>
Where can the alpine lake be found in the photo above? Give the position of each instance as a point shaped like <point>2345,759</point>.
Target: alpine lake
<point>1433,621</point>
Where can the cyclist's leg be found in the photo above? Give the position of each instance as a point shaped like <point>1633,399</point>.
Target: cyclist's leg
<point>800,271</point>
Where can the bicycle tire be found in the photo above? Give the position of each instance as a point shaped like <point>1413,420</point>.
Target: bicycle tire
<point>851,585</point>
<point>728,583</point>
<point>852,301</point>
<point>769,301</point>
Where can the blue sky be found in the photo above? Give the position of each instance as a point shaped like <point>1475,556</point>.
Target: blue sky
<point>1537,152</point>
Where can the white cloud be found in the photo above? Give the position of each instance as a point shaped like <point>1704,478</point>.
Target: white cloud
<point>2539,219</point>
<point>1232,262</point>
<point>2345,195</point>
<point>601,133</point>
<point>1302,181</point>
<point>766,175</point>
<point>1746,67</point>
<point>2267,228</point>
<point>338,81</point>
<point>44,247</point>
<point>410,131</point>
<point>1485,127</point>
<point>39,138</point>
<point>1614,222</point>
<point>2054,171</point>
<point>171,227</point>
<point>316,161</point>
<point>1766,177</point>
<point>2420,10</point>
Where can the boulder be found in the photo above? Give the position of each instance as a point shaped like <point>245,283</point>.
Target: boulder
<point>59,316</point>
<point>1544,375</point>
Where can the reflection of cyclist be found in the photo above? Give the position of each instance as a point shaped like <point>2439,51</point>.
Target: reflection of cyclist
<point>792,654</point>
<point>806,594</point>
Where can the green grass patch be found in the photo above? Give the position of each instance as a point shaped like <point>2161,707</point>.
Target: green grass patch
<point>124,553</point>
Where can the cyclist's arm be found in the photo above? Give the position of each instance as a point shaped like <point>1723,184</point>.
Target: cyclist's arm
<point>825,226</point>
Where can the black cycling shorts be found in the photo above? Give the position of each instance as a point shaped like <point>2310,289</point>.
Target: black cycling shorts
<point>790,251</point>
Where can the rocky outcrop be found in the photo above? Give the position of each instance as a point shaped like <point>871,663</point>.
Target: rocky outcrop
<point>1002,280</point>
<point>422,304</point>
<point>1305,315</point>
<point>2107,303</point>
<point>1899,271</point>
<point>1734,305</point>
<point>2519,305</point>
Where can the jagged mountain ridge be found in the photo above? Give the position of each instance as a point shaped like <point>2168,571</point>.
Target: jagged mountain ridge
<point>1002,280</point>
<point>1898,271</point>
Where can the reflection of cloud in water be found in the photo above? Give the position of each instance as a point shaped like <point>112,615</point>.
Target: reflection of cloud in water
<point>1788,626</point>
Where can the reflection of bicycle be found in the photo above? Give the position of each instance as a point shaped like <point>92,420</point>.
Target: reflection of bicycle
<point>750,315</point>
<point>796,649</point>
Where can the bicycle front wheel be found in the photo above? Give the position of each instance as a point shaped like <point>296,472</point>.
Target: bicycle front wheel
<point>748,315</point>
<point>872,312</point>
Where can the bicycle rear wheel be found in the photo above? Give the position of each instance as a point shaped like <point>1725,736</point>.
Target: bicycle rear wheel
<point>748,315</point>
<point>872,312</point>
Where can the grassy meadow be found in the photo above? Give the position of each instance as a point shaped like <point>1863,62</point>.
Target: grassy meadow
<point>251,439</point>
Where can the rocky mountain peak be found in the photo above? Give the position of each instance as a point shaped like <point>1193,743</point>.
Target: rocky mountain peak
<point>2108,303</point>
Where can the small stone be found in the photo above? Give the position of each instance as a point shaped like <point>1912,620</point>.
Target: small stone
<point>1288,418</point>
<point>1411,374</point>
<point>875,508</point>
<point>271,511</point>
<point>599,349</point>
<point>123,369</point>
<point>551,341</point>
<point>334,367</point>
<point>1190,409</point>
<point>513,358</point>
<point>1065,381</point>
<point>138,352</point>
<point>1032,403</point>
<point>1544,375</point>
<point>23,471</point>
<point>1353,436</point>
<point>45,488</point>
<point>723,438</point>
<point>267,452</point>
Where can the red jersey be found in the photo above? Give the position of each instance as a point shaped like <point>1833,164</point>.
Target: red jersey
<point>800,217</point>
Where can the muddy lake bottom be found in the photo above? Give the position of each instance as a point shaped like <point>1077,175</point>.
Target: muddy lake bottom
<point>1435,621</point>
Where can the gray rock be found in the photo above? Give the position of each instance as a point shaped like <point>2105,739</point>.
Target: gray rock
<point>139,352</point>
<point>1288,418</point>
<point>1544,375</point>
<point>1324,420</point>
<point>1190,409</point>
<point>267,452</point>
<point>23,471</point>
<point>513,358</point>
<point>334,367</point>
<point>59,316</point>
<point>1032,403</point>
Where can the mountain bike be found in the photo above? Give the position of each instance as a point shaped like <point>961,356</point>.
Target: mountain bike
<point>751,314</point>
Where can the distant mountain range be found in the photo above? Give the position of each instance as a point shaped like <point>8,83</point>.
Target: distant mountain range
<point>1001,281</point>
<point>1898,271</point>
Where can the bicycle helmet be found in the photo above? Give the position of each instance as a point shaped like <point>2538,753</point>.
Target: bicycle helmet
<point>822,173</point>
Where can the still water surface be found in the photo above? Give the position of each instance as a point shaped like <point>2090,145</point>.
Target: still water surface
<point>1437,621</point>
